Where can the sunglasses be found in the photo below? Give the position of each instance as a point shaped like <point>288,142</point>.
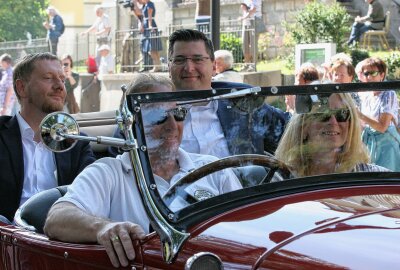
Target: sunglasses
<point>341,115</point>
<point>372,73</point>
<point>65,64</point>
<point>178,113</point>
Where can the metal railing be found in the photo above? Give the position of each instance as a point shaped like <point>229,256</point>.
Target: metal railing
<point>20,48</point>
<point>127,45</point>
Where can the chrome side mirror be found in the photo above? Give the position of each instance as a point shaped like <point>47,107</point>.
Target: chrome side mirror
<point>53,129</point>
<point>59,132</point>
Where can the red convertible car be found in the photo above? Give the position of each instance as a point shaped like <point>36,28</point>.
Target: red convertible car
<point>276,221</point>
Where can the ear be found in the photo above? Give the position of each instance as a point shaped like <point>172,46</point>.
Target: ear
<point>383,75</point>
<point>21,88</point>
<point>214,67</point>
<point>169,69</point>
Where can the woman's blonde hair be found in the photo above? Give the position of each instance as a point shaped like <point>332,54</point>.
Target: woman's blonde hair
<point>295,152</point>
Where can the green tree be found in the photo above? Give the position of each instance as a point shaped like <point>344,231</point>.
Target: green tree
<point>19,17</point>
<point>233,44</point>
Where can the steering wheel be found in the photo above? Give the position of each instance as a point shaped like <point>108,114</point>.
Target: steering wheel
<point>233,161</point>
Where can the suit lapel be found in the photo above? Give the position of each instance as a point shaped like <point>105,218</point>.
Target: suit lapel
<point>11,136</point>
<point>63,164</point>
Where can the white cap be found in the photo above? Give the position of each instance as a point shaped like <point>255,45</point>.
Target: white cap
<point>104,47</point>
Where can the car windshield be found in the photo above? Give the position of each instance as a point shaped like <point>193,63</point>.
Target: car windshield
<point>206,145</point>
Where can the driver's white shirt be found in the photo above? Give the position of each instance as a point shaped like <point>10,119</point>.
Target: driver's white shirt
<point>107,188</point>
<point>202,131</point>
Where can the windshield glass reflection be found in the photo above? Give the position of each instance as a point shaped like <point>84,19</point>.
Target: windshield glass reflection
<point>204,149</point>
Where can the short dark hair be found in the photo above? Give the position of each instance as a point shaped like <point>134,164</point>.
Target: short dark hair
<point>188,35</point>
<point>308,72</point>
<point>6,58</point>
<point>69,57</point>
<point>375,62</point>
<point>25,66</point>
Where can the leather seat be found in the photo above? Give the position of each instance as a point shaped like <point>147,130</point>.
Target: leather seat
<point>32,214</point>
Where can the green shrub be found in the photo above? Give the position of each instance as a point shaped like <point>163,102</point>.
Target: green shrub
<point>316,23</point>
<point>358,55</point>
<point>319,22</point>
<point>264,41</point>
<point>393,63</point>
<point>234,44</point>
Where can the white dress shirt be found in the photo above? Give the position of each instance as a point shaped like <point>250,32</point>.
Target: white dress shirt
<point>40,171</point>
<point>202,132</point>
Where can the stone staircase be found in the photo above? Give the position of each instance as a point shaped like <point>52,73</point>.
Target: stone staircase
<point>354,12</point>
<point>348,4</point>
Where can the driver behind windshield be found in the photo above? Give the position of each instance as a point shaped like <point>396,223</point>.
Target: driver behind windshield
<point>326,140</point>
<point>104,206</point>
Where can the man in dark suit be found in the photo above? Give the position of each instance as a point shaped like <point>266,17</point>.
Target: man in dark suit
<point>27,166</point>
<point>191,67</point>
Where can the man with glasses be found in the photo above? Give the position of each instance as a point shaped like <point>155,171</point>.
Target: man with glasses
<point>208,127</point>
<point>103,204</point>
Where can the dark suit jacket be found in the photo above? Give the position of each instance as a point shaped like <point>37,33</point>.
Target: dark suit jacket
<point>69,165</point>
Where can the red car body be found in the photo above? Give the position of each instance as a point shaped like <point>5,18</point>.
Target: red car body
<point>338,228</point>
<point>338,221</point>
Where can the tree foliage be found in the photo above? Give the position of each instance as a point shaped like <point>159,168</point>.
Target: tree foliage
<point>233,44</point>
<point>319,22</point>
<point>19,17</point>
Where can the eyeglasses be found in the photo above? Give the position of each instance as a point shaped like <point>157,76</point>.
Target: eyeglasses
<point>178,113</point>
<point>65,64</point>
<point>181,60</point>
<point>341,115</point>
<point>372,73</point>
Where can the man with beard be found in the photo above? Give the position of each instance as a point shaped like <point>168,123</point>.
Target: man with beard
<point>28,167</point>
<point>103,204</point>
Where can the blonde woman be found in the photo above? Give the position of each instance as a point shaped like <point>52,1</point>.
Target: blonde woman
<point>325,141</point>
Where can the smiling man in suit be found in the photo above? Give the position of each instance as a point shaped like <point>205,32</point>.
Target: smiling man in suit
<point>28,167</point>
<point>209,128</point>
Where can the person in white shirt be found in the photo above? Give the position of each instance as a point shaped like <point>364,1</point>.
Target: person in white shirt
<point>101,28</point>
<point>103,204</point>
<point>224,67</point>
<point>107,63</point>
<point>253,26</point>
